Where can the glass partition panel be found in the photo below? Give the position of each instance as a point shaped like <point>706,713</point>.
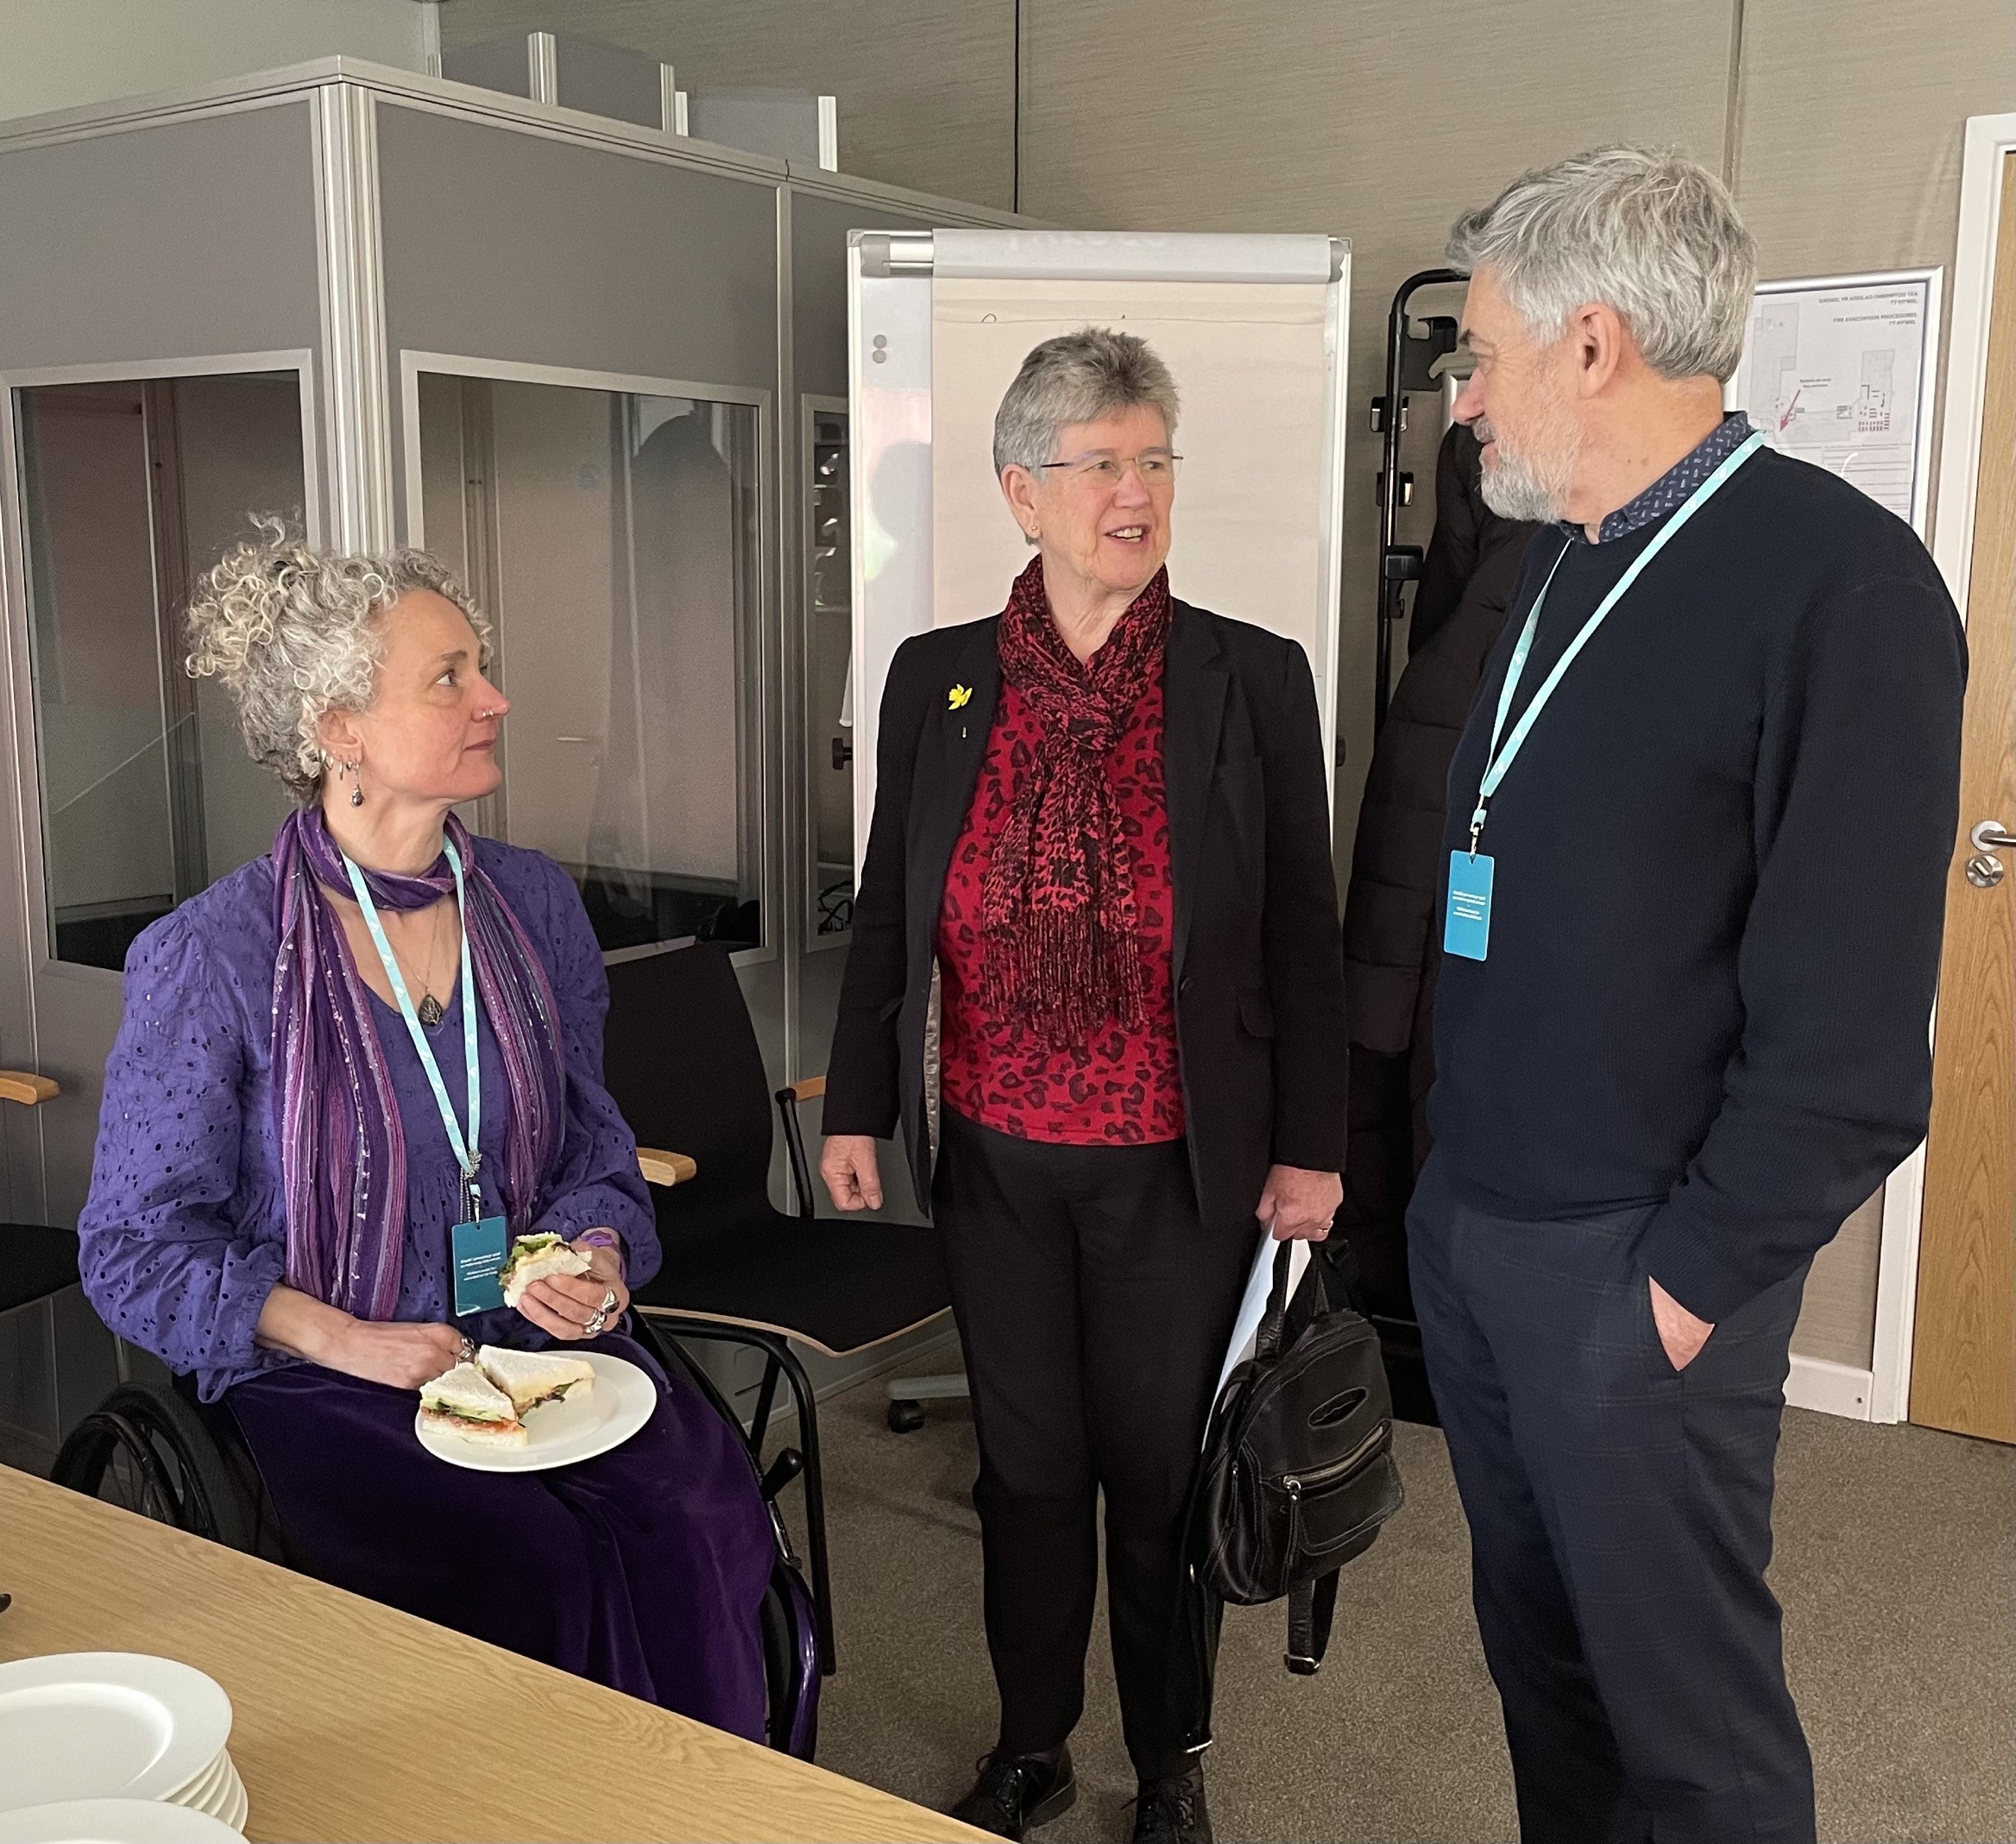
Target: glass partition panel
<point>829,751</point>
<point>614,538</point>
<point>131,490</point>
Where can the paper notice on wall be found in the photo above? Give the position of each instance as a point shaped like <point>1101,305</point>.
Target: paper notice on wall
<point>1838,372</point>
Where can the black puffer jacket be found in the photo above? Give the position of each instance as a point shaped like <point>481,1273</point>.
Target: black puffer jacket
<point>1390,954</point>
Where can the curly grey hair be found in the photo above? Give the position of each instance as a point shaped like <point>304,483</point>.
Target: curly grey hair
<point>1078,378</point>
<point>1646,230</point>
<point>293,632</point>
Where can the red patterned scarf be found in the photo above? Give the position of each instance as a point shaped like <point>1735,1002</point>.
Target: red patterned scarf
<point>1057,907</point>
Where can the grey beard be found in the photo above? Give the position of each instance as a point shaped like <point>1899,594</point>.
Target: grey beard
<point>1534,487</point>
<point>1513,490</point>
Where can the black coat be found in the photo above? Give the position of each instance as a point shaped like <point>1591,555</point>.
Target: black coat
<point>1391,954</point>
<point>1256,965</point>
<point>1467,580</point>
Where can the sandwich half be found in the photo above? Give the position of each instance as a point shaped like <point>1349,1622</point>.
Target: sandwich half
<point>529,1378</point>
<point>533,1256</point>
<point>466,1403</point>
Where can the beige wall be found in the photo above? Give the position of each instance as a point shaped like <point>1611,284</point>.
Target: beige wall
<point>924,86</point>
<point>59,54</point>
<point>1839,121</point>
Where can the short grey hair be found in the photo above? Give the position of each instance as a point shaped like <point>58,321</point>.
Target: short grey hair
<point>1645,230</point>
<point>293,632</point>
<point>1078,378</point>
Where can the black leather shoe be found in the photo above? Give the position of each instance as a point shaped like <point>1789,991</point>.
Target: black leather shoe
<point>1172,1810</point>
<point>1016,1791</point>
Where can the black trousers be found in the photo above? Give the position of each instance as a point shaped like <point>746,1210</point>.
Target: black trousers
<point>1094,1307</point>
<point>1619,1520</point>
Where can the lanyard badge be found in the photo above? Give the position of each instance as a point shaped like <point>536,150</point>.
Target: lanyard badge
<point>1466,928</point>
<point>477,1244</point>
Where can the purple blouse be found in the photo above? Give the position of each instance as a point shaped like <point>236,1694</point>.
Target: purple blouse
<point>184,1234</point>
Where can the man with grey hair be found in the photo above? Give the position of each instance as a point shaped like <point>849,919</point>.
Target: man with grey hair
<point>1696,835</point>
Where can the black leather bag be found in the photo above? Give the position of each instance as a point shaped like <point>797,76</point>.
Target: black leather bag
<point>1297,1475</point>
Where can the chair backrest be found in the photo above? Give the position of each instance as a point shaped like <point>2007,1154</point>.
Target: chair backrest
<point>681,1059</point>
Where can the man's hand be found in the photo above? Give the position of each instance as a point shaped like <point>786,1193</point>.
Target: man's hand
<point>1680,1331</point>
<point>854,1179</point>
<point>1299,1205</point>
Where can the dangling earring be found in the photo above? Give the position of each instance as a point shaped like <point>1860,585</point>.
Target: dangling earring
<point>358,789</point>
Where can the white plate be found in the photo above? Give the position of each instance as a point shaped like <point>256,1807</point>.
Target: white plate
<point>114,1821</point>
<point>577,1427</point>
<point>232,1805</point>
<point>105,1725</point>
<point>216,1792</point>
<point>205,1786</point>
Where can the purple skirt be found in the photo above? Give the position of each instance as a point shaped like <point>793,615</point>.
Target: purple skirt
<point>656,1555</point>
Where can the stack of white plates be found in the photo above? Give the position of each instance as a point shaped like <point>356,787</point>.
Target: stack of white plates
<point>107,1729</point>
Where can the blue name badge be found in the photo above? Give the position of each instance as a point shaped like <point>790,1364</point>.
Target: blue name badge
<point>478,1250</point>
<point>1467,931</point>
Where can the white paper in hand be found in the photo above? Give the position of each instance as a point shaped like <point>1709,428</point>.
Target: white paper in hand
<point>1253,1302</point>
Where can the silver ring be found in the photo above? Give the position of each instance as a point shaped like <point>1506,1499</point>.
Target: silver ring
<point>600,1317</point>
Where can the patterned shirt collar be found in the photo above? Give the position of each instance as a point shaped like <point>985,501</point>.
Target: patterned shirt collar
<point>1669,492</point>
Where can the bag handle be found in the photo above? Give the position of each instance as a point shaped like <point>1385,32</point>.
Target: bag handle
<point>1311,1606</point>
<point>1267,1342</point>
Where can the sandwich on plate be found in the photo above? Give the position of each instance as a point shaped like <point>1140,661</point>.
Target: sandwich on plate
<point>530,1378</point>
<point>464,1402</point>
<point>533,1257</point>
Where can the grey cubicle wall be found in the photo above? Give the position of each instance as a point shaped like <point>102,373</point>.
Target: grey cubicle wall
<point>172,246</point>
<point>547,259</point>
<point>819,227</point>
<point>339,219</point>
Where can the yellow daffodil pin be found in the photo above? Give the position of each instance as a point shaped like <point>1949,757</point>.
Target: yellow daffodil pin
<point>959,697</point>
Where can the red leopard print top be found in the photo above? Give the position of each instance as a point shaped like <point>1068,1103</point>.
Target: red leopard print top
<point>1121,1087</point>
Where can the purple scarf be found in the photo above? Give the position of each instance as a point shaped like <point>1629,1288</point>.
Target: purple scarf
<point>341,1143</point>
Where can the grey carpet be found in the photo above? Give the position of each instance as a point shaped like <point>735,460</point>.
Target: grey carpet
<point>1896,1563</point>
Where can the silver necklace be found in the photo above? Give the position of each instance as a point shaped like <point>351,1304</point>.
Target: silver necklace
<point>429,1009</point>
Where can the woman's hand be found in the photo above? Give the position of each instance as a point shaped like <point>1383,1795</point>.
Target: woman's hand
<point>400,1355</point>
<point>403,1356</point>
<point>564,1304</point>
<point>1299,1205</point>
<point>852,1174</point>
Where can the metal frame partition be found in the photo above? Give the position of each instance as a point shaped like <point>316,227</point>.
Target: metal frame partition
<point>765,841</point>
<point>331,256</point>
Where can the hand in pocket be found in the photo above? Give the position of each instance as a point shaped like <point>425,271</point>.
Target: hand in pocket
<point>1680,1333</point>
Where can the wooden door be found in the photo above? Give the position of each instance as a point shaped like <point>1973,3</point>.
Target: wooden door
<point>1963,1358</point>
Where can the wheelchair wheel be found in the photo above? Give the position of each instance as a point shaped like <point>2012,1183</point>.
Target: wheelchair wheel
<point>791,1662</point>
<point>147,1451</point>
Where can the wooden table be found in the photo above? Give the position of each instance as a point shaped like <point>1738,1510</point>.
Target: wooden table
<point>334,1701</point>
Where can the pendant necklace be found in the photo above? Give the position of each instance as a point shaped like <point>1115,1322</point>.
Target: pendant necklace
<point>429,1009</point>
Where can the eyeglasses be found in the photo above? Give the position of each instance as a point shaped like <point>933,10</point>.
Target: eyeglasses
<point>1155,466</point>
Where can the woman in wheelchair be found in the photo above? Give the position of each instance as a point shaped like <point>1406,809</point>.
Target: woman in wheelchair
<point>278,1197</point>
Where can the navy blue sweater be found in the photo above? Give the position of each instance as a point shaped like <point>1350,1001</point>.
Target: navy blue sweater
<point>1720,879</point>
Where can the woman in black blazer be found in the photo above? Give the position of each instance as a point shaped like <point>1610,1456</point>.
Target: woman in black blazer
<point>1102,815</point>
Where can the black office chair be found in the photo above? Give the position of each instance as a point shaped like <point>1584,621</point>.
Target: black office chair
<point>681,1061</point>
<point>40,1261</point>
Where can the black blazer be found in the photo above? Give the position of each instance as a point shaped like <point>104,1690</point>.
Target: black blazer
<point>1257,961</point>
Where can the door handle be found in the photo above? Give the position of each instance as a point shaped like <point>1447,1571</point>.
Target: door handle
<point>1984,869</point>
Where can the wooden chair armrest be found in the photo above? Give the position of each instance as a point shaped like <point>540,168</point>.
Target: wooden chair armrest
<point>661,1168</point>
<point>809,1089</point>
<point>16,1084</point>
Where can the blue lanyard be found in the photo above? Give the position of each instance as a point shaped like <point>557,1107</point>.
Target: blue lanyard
<point>468,1153</point>
<point>1496,763</point>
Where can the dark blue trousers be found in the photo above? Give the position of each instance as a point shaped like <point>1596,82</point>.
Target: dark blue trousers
<point>1619,1521</point>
